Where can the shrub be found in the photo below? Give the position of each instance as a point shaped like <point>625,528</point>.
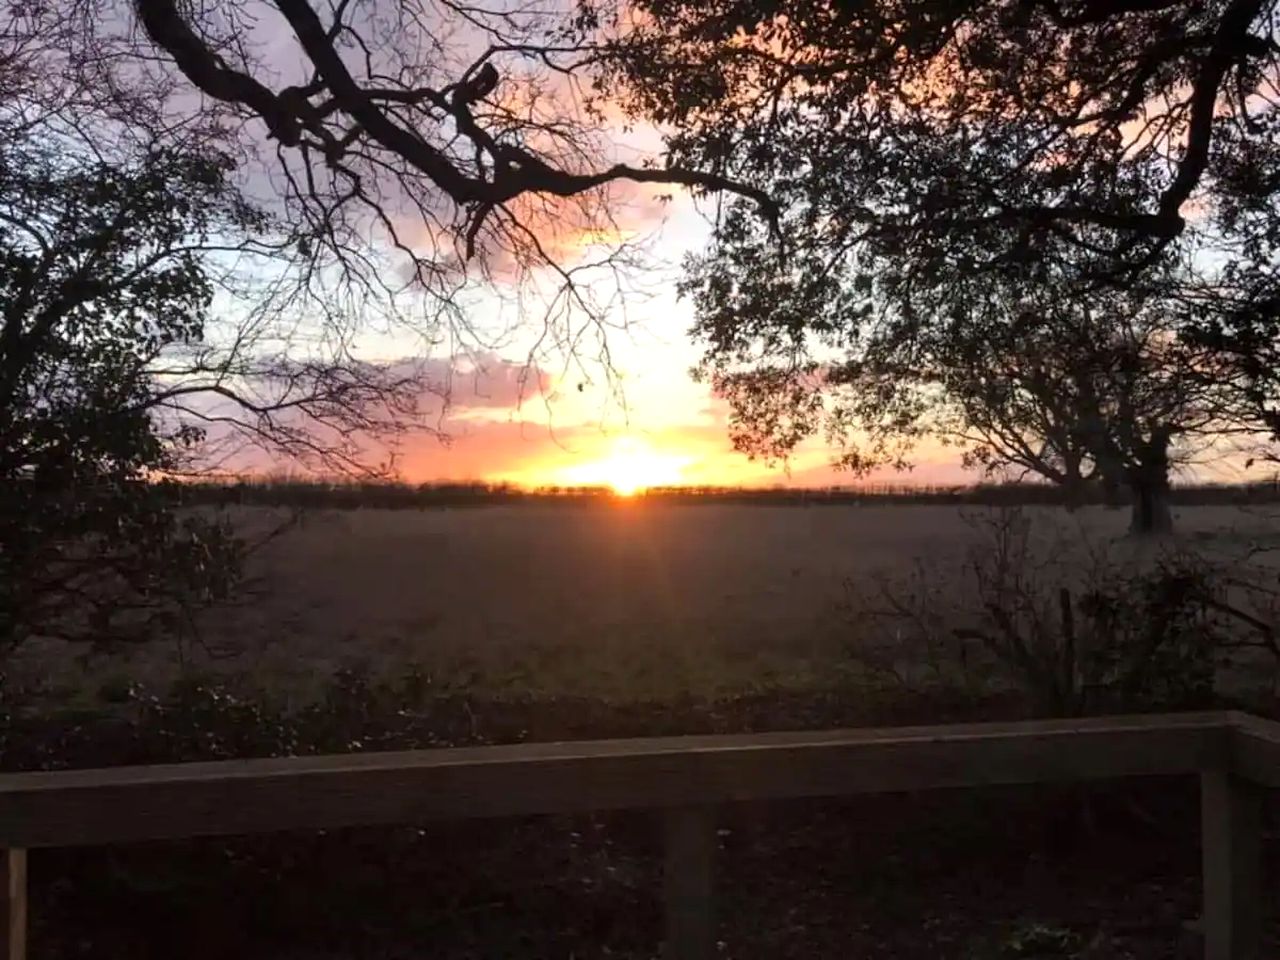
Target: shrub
<point>1072,628</point>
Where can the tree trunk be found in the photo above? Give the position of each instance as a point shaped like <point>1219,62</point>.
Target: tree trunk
<point>1073,494</point>
<point>1151,514</point>
<point>1149,483</point>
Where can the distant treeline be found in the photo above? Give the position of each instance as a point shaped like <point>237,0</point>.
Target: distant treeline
<point>345,495</point>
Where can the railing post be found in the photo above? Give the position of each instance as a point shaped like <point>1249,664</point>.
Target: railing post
<point>1230,837</point>
<point>13,906</point>
<point>688,881</point>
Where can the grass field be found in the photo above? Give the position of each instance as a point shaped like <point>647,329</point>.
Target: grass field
<point>619,599</point>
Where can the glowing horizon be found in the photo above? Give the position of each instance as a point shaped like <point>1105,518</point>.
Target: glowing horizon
<point>632,465</point>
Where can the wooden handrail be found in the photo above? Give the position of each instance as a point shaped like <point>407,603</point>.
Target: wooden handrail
<point>684,777</point>
<point>115,805</point>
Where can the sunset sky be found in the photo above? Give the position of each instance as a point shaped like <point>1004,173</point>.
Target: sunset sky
<point>653,426</point>
<point>544,422</point>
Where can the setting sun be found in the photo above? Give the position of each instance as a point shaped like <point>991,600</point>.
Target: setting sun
<point>632,466</point>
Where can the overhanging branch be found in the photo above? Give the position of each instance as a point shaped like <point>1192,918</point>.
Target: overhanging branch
<point>511,169</point>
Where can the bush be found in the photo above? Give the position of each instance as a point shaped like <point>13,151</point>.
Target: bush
<point>1072,628</point>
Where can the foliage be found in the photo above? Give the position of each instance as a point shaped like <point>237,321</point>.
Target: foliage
<point>100,275</point>
<point>1028,939</point>
<point>966,180</point>
<point>1077,631</point>
<point>1102,389</point>
<point>951,140</point>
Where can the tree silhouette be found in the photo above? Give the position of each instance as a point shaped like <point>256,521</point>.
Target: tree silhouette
<point>968,135</point>
<point>458,139</point>
<point>98,281</point>
<point>435,171</point>
<point>938,164</point>
<point>1102,391</point>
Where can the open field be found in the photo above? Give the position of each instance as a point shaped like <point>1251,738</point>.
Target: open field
<point>620,599</point>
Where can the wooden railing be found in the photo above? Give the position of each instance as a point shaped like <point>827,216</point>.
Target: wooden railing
<point>682,778</point>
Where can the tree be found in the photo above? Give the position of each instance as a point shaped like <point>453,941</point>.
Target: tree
<point>1235,318</point>
<point>976,133</point>
<point>96,282</point>
<point>110,383</point>
<point>452,139</point>
<point>1101,391</point>
<point>926,157</point>
<point>423,150</point>
<point>144,328</point>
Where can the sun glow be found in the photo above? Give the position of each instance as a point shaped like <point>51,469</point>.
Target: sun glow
<point>630,467</point>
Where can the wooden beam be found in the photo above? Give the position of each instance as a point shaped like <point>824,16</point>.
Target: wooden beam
<point>689,882</point>
<point>1255,749</point>
<point>86,807</point>
<point>13,906</point>
<point>1230,841</point>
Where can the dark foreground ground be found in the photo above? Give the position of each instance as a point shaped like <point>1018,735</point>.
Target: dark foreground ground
<point>1051,872</point>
